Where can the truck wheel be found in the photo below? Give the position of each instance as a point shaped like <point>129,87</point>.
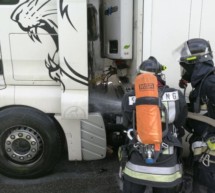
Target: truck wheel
<point>30,144</point>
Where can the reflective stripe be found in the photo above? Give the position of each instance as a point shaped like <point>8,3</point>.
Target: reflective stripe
<point>198,144</point>
<point>171,109</point>
<point>168,151</point>
<point>153,177</point>
<point>200,147</point>
<point>212,162</point>
<point>153,170</point>
<point>172,112</point>
<point>199,150</point>
<point>211,152</point>
<point>120,153</point>
<point>131,100</point>
<point>163,113</point>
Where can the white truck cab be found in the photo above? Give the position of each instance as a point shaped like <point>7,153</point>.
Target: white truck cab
<point>37,37</point>
<point>65,65</point>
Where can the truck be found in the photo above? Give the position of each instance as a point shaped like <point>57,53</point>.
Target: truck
<point>65,65</point>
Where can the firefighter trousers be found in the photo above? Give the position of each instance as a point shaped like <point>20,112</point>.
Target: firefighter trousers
<point>130,187</point>
<point>198,188</point>
<point>203,178</point>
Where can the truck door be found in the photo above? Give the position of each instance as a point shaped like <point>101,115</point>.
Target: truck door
<point>4,22</point>
<point>166,26</point>
<point>33,40</point>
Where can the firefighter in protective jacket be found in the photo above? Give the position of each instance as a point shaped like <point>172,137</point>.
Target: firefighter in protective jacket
<point>198,69</point>
<point>157,165</point>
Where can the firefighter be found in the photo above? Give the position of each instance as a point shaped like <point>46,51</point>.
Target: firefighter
<point>164,172</point>
<point>196,61</point>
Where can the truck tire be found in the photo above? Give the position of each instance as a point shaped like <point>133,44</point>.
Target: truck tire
<point>30,144</point>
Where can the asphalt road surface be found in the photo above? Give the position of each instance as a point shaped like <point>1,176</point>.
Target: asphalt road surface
<point>100,176</point>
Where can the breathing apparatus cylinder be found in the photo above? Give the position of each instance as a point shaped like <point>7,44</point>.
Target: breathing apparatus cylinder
<point>148,116</point>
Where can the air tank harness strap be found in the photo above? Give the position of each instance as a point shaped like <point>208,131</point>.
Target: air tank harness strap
<point>167,146</point>
<point>207,158</point>
<point>171,137</point>
<point>148,100</point>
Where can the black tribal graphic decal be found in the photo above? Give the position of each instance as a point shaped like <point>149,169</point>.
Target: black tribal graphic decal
<point>34,14</point>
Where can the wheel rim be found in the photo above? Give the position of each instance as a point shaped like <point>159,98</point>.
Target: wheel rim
<point>23,144</point>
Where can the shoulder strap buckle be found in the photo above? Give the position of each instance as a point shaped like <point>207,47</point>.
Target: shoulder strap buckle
<point>164,145</point>
<point>205,159</point>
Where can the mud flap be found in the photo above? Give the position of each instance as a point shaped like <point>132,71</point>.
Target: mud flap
<point>93,137</point>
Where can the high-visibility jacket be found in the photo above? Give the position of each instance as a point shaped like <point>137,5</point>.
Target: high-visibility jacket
<point>167,170</point>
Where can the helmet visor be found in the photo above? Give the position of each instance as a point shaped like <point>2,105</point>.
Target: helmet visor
<point>186,71</point>
<point>190,50</point>
<point>182,52</point>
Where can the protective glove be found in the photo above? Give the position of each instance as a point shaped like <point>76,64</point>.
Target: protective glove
<point>183,83</point>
